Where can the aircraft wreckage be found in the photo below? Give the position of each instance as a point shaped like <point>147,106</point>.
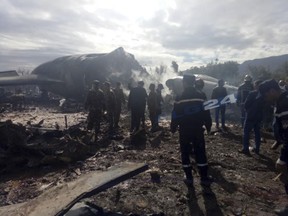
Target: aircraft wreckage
<point>71,76</point>
<point>175,85</point>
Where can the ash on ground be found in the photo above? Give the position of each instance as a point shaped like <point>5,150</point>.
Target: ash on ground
<point>43,158</point>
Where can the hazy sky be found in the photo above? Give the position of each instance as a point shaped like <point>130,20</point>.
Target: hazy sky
<point>190,32</point>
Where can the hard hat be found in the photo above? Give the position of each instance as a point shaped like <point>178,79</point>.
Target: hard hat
<point>248,78</point>
<point>281,83</point>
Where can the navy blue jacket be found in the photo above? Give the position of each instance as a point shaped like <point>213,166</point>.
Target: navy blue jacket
<point>281,115</point>
<point>137,98</point>
<point>254,107</point>
<point>188,112</point>
<point>219,93</point>
<point>243,92</point>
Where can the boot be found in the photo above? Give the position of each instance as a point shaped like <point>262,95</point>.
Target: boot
<point>189,178</point>
<point>206,180</point>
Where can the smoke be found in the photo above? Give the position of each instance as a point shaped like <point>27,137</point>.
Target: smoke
<point>154,76</point>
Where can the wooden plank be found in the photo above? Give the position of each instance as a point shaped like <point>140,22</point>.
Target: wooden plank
<point>58,200</point>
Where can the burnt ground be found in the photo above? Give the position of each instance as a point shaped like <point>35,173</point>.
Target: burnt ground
<point>243,185</point>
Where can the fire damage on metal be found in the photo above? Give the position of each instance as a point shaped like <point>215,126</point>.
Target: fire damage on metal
<point>52,164</point>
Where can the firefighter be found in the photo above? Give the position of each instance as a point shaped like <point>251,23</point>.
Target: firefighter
<point>272,93</point>
<point>189,115</point>
<point>254,114</point>
<point>120,99</point>
<point>242,94</point>
<point>95,106</point>
<point>110,104</point>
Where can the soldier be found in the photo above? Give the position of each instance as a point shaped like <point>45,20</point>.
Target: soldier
<point>152,102</point>
<point>242,94</point>
<point>95,105</point>
<point>110,104</point>
<point>137,104</point>
<point>160,101</point>
<point>219,93</point>
<point>188,113</point>
<point>254,115</point>
<point>272,93</point>
<point>143,106</point>
<point>120,99</point>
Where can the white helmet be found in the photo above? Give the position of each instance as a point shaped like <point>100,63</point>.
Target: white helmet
<point>247,78</point>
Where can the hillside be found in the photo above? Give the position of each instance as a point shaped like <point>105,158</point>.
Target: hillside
<point>272,63</point>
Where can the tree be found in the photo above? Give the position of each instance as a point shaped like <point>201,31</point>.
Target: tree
<point>285,68</point>
<point>259,72</point>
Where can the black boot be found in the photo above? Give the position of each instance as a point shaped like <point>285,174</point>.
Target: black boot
<point>205,179</point>
<point>189,178</point>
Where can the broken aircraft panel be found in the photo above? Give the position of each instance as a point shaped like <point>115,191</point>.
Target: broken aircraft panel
<point>175,85</point>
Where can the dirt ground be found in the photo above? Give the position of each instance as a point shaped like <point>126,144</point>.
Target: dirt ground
<point>243,185</point>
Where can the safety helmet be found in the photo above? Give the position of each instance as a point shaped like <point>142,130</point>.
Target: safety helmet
<point>247,78</point>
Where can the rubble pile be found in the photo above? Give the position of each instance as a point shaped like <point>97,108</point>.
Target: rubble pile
<point>33,145</point>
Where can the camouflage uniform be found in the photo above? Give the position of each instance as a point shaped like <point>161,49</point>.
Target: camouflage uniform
<point>152,102</point>
<point>110,104</point>
<point>120,99</point>
<point>160,101</point>
<point>95,105</point>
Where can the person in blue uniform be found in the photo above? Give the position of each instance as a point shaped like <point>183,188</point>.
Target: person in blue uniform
<point>272,93</point>
<point>189,117</point>
<point>254,115</point>
<point>242,94</point>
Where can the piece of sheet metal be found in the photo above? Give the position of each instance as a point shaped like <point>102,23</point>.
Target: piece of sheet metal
<point>58,200</point>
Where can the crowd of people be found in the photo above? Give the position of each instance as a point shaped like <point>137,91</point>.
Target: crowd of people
<point>107,100</point>
<point>111,101</point>
<point>191,119</point>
